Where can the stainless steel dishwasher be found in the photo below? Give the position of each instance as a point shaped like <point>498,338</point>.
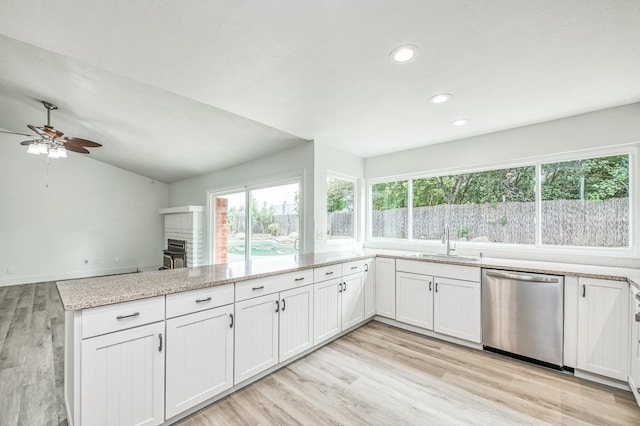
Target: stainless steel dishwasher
<point>523,314</point>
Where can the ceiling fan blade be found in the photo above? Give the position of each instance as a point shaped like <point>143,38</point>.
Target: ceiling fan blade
<point>25,143</point>
<point>15,133</point>
<point>82,142</point>
<point>75,148</point>
<point>52,132</point>
<point>38,130</point>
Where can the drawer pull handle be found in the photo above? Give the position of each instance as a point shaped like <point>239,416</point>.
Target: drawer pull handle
<point>329,273</point>
<point>354,267</point>
<point>257,288</point>
<point>208,299</point>
<point>135,314</point>
<point>299,279</point>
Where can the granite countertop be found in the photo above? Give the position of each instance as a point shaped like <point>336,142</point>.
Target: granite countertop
<point>92,292</point>
<point>99,291</point>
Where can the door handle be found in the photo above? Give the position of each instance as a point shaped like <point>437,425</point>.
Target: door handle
<point>584,290</point>
<point>436,286</point>
<point>345,286</point>
<point>340,288</point>
<point>283,305</point>
<point>277,306</point>
<point>429,285</point>
<point>160,347</point>
<point>231,325</point>
<point>366,267</point>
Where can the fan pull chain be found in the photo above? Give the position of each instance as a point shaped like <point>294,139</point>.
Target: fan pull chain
<point>46,178</point>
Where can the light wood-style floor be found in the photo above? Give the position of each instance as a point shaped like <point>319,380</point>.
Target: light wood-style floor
<point>375,375</point>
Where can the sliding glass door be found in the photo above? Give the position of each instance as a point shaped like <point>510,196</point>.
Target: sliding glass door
<point>255,222</point>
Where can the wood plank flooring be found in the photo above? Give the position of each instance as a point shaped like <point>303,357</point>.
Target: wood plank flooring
<point>31,355</point>
<point>375,375</point>
<point>384,376</point>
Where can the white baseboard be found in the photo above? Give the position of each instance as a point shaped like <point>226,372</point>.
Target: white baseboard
<point>58,276</point>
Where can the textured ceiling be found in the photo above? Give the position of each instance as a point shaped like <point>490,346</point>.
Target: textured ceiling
<point>167,83</point>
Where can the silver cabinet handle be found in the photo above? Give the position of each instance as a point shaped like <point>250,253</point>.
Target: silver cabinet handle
<point>584,290</point>
<point>283,305</point>
<point>257,288</point>
<point>366,267</point>
<point>429,285</point>
<point>231,325</point>
<point>160,347</point>
<point>436,286</point>
<point>135,314</point>
<point>354,267</point>
<point>299,279</point>
<point>340,288</point>
<point>208,299</point>
<point>345,286</point>
<point>277,306</point>
<point>329,273</point>
<point>522,277</point>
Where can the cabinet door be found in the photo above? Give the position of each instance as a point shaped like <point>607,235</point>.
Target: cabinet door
<point>123,377</point>
<point>326,309</point>
<point>634,374</point>
<point>199,358</point>
<point>456,309</point>
<point>370,289</point>
<point>256,337</point>
<point>296,321</point>
<point>603,328</point>
<point>414,303</point>
<point>386,287</point>
<point>352,300</point>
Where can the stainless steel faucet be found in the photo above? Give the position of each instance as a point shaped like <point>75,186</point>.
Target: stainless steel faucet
<point>445,239</point>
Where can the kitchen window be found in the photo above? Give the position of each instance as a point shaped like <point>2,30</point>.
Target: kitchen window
<point>255,222</point>
<point>341,195</point>
<point>580,202</point>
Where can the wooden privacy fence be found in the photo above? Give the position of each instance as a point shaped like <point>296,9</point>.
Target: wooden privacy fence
<point>340,224</point>
<point>564,222</point>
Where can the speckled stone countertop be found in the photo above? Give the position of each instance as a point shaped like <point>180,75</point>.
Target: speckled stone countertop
<point>92,292</point>
<point>98,291</point>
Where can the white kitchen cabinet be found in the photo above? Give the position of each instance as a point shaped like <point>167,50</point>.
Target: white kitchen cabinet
<point>603,328</point>
<point>256,336</point>
<point>414,299</point>
<point>199,357</point>
<point>456,309</point>
<point>122,377</point>
<point>296,322</point>
<point>370,289</point>
<point>634,373</point>
<point>327,309</point>
<point>386,287</point>
<point>352,305</point>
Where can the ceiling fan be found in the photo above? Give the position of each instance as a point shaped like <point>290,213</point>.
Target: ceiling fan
<point>51,141</point>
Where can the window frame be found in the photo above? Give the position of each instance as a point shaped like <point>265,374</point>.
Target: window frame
<point>356,207</point>
<point>632,150</point>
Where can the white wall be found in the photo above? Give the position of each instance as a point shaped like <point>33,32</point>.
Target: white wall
<point>295,161</point>
<point>592,131</point>
<point>597,129</point>
<point>330,159</point>
<point>90,210</point>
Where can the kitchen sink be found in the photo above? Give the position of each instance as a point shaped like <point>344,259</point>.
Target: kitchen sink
<point>443,256</point>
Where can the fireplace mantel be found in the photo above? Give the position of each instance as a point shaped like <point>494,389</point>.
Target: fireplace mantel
<point>186,223</point>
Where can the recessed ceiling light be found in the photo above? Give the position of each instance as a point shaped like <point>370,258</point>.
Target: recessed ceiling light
<point>440,98</point>
<point>460,122</point>
<point>404,54</point>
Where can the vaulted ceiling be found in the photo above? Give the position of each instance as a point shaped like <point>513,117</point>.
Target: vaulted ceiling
<point>174,89</point>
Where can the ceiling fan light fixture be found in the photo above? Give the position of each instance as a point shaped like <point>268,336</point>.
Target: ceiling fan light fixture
<point>42,148</point>
<point>53,153</point>
<point>33,149</point>
<point>403,54</point>
<point>62,152</point>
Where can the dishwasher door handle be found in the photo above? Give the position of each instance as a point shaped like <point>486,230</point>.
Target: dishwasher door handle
<point>522,277</point>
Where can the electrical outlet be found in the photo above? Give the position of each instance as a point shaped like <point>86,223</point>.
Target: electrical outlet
<point>319,234</point>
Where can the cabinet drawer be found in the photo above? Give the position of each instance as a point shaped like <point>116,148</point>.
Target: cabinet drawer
<point>199,300</point>
<point>120,316</point>
<point>261,286</point>
<point>459,272</point>
<point>327,272</point>
<point>353,267</point>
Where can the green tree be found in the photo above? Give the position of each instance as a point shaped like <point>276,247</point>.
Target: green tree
<point>262,216</point>
<point>339,195</point>
<point>390,195</point>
